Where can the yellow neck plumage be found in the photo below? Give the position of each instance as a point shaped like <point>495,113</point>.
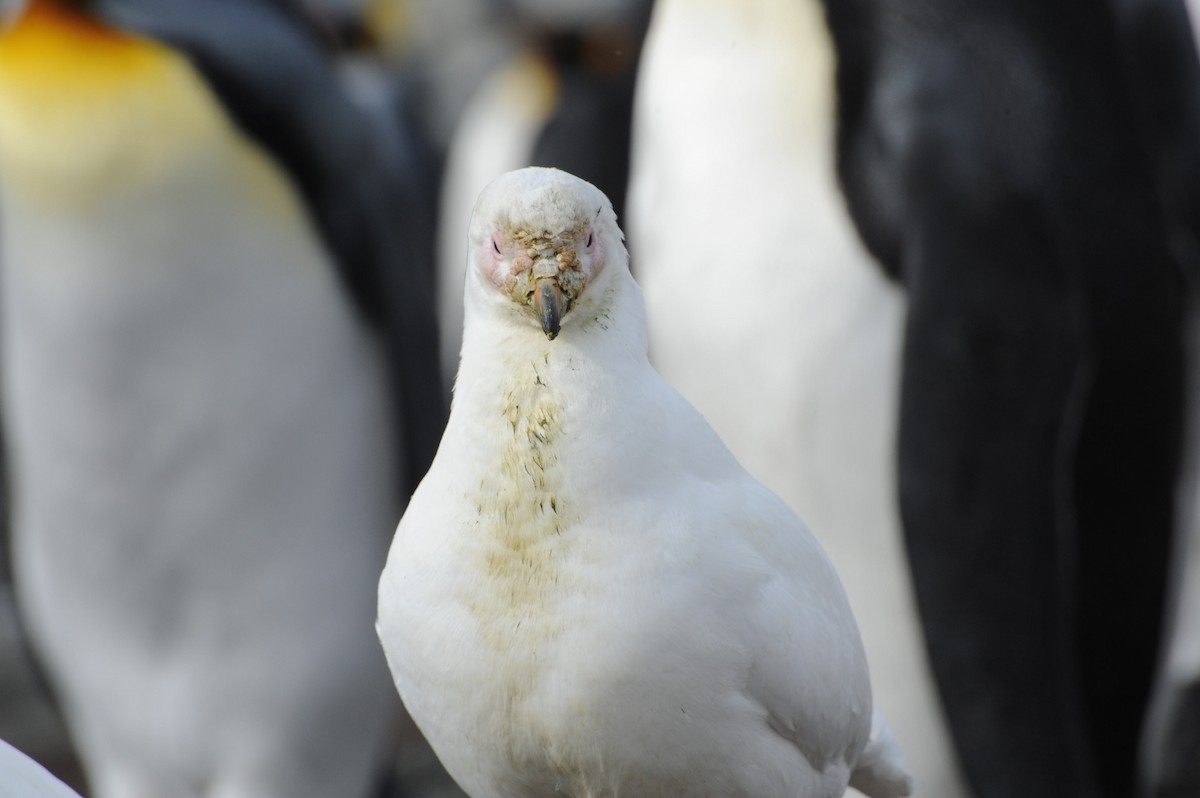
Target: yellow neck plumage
<point>84,106</point>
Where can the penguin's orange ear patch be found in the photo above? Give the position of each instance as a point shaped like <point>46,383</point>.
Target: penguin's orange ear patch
<point>42,16</point>
<point>53,47</point>
<point>86,109</point>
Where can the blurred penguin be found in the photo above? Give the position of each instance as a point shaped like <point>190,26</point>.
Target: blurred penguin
<point>214,301</point>
<point>994,167</point>
<point>448,45</point>
<point>564,99</point>
<point>791,350</point>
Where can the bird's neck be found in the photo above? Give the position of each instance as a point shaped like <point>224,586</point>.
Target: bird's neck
<point>87,111</point>
<point>526,411</point>
<point>503,354</point>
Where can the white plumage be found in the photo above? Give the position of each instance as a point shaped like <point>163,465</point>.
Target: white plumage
<point>588,595</point>
<point>197,423</point>
<point>22,777</point>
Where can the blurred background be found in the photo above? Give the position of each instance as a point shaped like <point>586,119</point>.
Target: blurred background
<point>928,270</point>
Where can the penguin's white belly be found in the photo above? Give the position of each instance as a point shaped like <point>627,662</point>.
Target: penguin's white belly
<point>200,449</point>
<point>787,314</point>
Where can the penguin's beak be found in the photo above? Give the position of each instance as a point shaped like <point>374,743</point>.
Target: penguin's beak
<point>550,305</point>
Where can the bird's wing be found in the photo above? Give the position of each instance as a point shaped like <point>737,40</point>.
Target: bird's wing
<point>361,181</point>
<point>880,771</point>
<point>808,668</point>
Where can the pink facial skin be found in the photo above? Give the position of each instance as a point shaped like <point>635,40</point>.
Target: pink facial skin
<point>503,260</point>
<point>491,259</point>
<point>593,248</point>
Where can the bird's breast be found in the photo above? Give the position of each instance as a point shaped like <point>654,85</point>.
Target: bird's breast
<point>522,513</point>
<point>525,563</point>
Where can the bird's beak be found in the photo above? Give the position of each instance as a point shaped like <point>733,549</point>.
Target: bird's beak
<point>548,302</point>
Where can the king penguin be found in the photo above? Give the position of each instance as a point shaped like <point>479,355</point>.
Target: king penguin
<point>999,172</point>
<point>216,329</point>
<point>790,345</point>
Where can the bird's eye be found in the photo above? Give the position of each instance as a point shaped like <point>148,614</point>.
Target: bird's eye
<point>495,245</point>
<point>591,239</point>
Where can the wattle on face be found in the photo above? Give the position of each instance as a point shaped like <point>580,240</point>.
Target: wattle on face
<point>544,270</point>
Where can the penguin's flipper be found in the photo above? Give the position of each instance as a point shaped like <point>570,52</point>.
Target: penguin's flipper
<point>362,186</point>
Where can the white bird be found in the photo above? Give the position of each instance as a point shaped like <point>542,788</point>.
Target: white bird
<point>587,595</point>
<point>22,777</point>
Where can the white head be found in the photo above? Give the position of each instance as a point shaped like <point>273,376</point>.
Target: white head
<point>539,239</point>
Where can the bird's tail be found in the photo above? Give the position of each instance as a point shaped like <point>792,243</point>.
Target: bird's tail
<point>879,772</point>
